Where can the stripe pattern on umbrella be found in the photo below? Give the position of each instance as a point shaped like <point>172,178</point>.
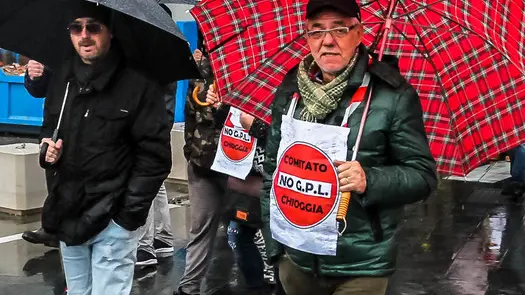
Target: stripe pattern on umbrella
<point>465,58</point>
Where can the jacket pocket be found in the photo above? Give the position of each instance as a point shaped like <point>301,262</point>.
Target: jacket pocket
<point>110,125</point>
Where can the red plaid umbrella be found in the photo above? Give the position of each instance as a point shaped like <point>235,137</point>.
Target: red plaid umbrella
<point>465,58</point>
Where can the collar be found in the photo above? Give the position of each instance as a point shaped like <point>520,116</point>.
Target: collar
<point>105,76</point>
<point>360,68</point>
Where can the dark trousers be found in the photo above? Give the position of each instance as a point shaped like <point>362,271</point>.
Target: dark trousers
<point>297,282</point>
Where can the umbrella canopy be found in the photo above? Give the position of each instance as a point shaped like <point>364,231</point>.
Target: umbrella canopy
<point>187,2</point>
<point>150,39</point>
<point>465,58</point>
<point>252,45</point>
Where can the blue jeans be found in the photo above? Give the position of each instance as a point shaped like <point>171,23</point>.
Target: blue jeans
<point>247,256</point>
<point>103,265</point>
<point>517,164</point>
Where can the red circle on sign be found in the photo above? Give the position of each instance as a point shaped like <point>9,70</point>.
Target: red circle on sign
<point>305,185</point>
<point>236,143</point>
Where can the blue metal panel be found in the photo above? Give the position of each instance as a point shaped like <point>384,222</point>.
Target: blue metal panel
<point>189,29</point>
<point>17,106</point>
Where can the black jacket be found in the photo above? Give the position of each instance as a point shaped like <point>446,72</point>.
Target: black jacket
<point>38,87</point>
<point>116,151</point>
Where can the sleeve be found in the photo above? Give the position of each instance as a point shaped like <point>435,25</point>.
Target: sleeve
<point>190,123</point>
<point>38,88</point>
<point>273,248</point>
<point>169,99</point>
<point>258,129</point>
<point>50,114</point>
<point>411,173</point>
<point>150,136</point>
<point>221,114</point>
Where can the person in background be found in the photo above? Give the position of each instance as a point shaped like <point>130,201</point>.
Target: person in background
<point>515,188</point>
<point>244,195</point>
<point>157,238</point>
<point>207,188</point>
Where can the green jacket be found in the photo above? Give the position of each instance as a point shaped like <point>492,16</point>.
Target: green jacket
<point>395,156</point>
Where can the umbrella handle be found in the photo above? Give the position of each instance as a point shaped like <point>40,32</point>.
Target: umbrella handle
<point>43,151</point>
<point>343,209</point>
<point>196,98</point>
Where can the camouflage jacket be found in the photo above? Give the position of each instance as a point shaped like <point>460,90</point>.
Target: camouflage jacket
<point>201,131</point>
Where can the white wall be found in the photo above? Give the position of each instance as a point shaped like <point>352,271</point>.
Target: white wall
<point>179,11</point>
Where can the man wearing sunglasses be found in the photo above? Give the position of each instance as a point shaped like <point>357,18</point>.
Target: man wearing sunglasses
<point>111,157</point>
<point>157,236</point>
<point>318,252</point>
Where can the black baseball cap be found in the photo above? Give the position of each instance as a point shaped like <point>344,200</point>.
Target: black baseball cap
<point>79,9</point>
<point>346,7</point>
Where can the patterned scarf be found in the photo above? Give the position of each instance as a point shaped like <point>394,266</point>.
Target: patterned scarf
<point>321,99</point>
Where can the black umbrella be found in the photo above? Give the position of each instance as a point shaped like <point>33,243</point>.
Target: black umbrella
<point>147,35</point>
<point>149,38</point>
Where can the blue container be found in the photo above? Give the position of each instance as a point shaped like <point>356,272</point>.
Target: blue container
<point>17,107</point>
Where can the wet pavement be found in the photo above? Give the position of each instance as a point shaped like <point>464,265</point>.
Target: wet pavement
<point>466,239</point>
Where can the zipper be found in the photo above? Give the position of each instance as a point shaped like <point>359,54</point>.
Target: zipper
<point>316,270</point>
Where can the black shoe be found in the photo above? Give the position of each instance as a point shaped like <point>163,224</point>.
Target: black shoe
<point>162,249</point>
<point>223,291</point>
<point>263,290</point>
<point>514,190</point>
<point>144,258</point>
<point>145,274</point>
<point>41,237</point>
<point>179,292</point>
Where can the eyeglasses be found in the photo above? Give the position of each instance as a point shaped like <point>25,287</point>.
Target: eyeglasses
<point>338,32</point>
<point>77,28</point>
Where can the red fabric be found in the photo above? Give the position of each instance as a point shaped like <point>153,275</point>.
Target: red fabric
<point>466,60</point>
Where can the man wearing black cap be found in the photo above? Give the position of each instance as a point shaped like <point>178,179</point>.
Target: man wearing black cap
<point>317,251</point>
<point>112,155</point>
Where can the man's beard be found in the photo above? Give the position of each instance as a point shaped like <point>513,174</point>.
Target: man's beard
<point>95,55</point>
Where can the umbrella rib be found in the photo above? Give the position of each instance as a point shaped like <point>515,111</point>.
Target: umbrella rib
<point>422,7</point>
<point>379,36</point>
<point>484,39</point>
<point>423,27</point>
<point>426,55</point>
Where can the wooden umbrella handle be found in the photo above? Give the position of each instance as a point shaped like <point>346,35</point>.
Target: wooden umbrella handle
<point>342,211</point>
<point>196,98</point>
<point>343,206</point>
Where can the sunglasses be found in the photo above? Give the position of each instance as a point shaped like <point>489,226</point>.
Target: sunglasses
<point>77,28</point>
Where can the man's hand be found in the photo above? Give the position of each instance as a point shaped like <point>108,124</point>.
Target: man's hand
<point>35,69</point>
<point>54,150</point>
<point>197,55</point>
<point>351,176</point>
<point>246,120</point>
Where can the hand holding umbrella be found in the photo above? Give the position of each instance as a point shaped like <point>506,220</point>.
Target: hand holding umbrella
<point>198,56</point>
<point>211,97</point>
<point>53,151</point>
